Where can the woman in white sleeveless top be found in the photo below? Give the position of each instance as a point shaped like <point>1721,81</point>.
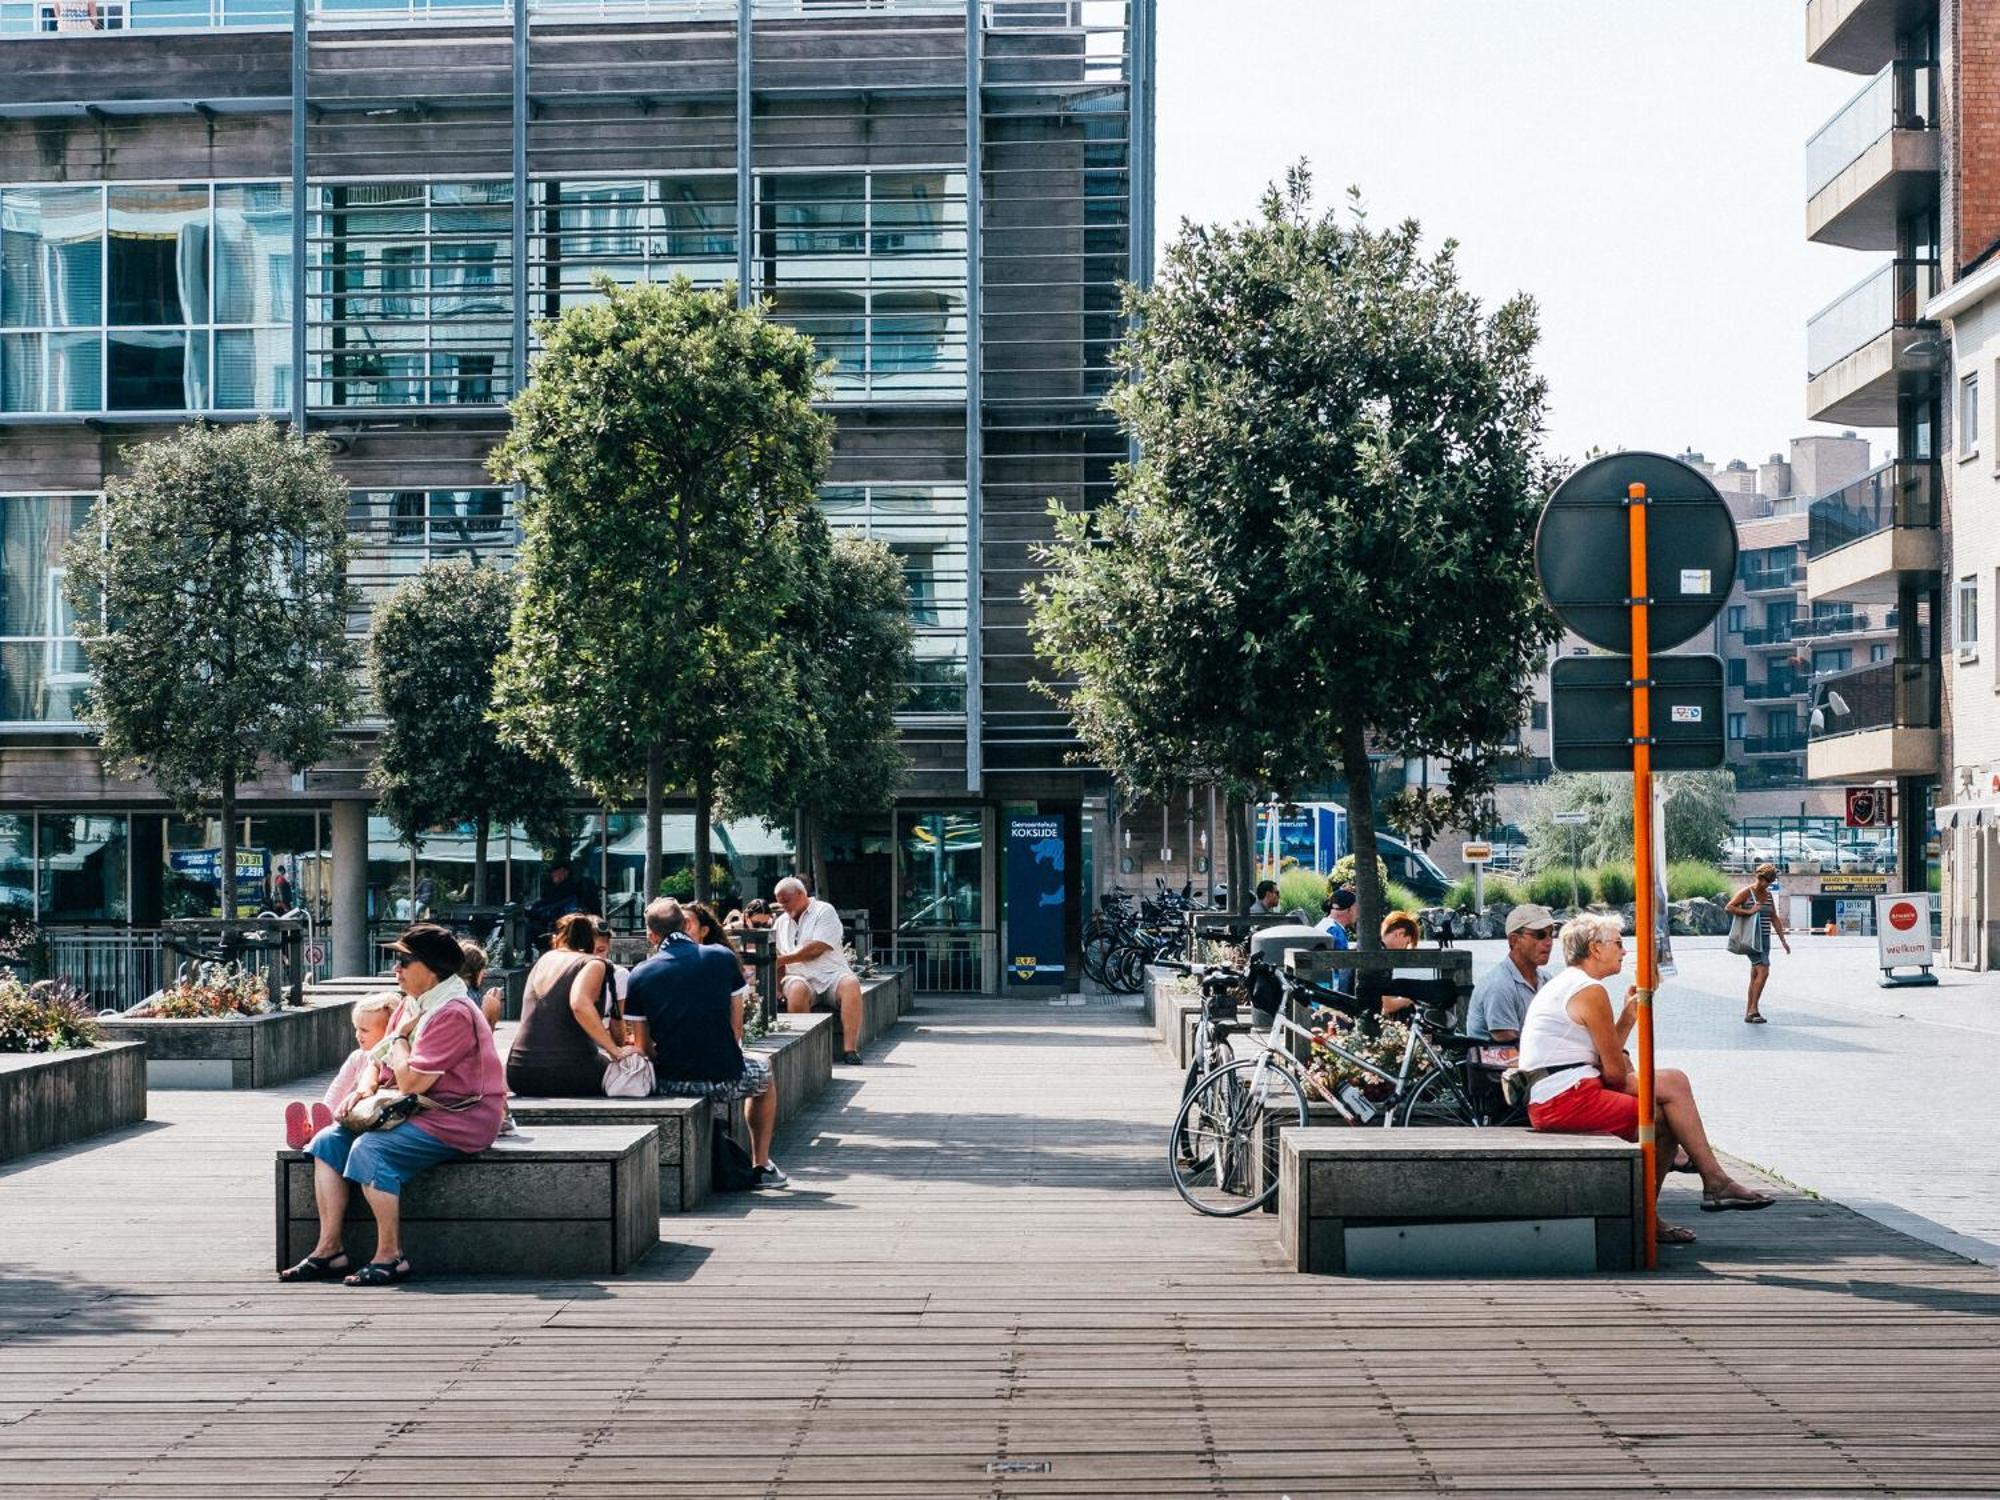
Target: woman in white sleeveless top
<point>1588,1085</point>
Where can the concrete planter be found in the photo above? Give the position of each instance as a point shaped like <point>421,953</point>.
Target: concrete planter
<point>50,1099</point>
<point>241,1052</point>
<point>886,997</point>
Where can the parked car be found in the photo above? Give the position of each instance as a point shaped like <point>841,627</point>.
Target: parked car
<point>1411,867</point>
<point>1746,853</point>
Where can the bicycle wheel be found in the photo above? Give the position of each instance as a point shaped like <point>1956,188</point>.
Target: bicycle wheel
<point>1125,970</point>
<point>1096,952</point>
<point>1440,1099</point>
<point>1213,1151</point>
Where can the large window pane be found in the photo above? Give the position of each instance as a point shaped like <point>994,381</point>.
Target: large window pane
<point>159,256</point>
<point>22,384</point>
<point>941,855</point>
<point>158,370</point>
<point>837,323</point>
<point>76,372</point>
<point>700,218</point>
<point>34,531</point>
<point>51,257</point>
<point>919,213</point>
<point>253,369</point>
<point>82,868</point>
<point>814,215</point>
<point>17,861</point>
<point>253,253</point>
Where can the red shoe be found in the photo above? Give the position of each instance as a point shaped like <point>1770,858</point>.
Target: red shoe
<point>298,1126</point>
<point>321,1117</point>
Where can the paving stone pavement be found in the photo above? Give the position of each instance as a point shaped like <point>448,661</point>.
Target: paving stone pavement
<point>1887,1100</point>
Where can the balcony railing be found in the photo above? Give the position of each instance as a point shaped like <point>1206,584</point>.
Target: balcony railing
<point>81,17</point>
<point>1903,96</point>
<point>1891,297</point>
<point>1774,744</point>
<point>1882,695</point>
<point>1902,492</point>
<point>1769,635</point>
<point>1782,687</point>
<point>1763,580</point>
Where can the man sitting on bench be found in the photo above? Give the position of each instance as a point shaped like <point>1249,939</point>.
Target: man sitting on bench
<point>812,963</point>
<point>690,997</point>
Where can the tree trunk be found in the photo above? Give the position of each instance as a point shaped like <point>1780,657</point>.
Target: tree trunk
<point>1361,831</point>
<point>225,863</point>
<point>656,793</point>
<point>481,827</point>
<point>704,798</point>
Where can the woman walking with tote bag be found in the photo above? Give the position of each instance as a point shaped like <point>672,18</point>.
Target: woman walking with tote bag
<point>1755,913</point>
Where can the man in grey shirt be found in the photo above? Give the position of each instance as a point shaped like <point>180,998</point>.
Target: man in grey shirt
<point>1500,1000</point>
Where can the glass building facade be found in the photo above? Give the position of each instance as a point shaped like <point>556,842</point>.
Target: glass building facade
<point>946,194</point>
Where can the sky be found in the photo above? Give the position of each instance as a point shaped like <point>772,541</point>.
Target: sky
<point>1637,166</point>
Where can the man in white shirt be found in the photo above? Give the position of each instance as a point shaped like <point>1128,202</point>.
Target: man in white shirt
<point>812,963</point>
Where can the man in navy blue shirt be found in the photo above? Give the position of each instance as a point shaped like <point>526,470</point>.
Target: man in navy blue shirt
<point>690,996</point>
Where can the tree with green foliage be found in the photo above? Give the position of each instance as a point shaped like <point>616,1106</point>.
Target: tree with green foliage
<point>665,438</point>
<point>1700,816</point>
<point>847,633</point>
<point>214,613</point>
<point>441,758</point>
<point>1325,547</point>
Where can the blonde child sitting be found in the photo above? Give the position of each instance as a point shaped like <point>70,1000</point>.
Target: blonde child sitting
<point>357,1076</point>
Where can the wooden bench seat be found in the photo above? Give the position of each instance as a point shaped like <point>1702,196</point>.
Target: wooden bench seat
<point>567,1201</point>
<point>801,1061</point>
<point>1460,1202</point>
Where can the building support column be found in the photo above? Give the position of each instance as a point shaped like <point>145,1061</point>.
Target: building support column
<point>746,194</point>
<point>350,889</point>
<point>975,446</point>
<point>519,217</point>
<point>300,55</point>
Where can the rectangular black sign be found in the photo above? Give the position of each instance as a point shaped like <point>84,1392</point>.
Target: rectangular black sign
<point>1590,713</point>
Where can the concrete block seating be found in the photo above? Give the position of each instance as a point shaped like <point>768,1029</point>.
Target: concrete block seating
<point>1176,1007</point>
<point>574,1201</point>
<point>1458,1202</point>
<point>886,997</point>
<point>50,1099</point>
<point>242,1052</point>
<point>801,1059</point>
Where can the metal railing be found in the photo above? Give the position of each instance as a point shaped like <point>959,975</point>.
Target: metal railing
<point>1821,627</point>
<point>1882,695</point>
<point>1769,635</point>
<point>1902,492</point>
<point>1774,744</point>
<point>111,17</point>
<point>1783,687</point>
<point>1903,96</point>
<point>1890,297</point>
<point>943,960</point>
<point>115,967</point>
<point>1759,580</point>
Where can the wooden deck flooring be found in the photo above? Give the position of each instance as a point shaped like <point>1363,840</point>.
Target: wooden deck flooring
<point>981,1266</point>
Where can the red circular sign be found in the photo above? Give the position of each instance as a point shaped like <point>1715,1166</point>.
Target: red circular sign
<point>1902,916</point>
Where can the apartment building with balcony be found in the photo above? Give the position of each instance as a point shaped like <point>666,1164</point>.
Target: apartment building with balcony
<point>1880,176</point>
<point>350,215</point>
<point>1968,309</point>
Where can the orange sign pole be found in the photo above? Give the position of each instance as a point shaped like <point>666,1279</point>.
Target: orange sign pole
<point>1643,834</point>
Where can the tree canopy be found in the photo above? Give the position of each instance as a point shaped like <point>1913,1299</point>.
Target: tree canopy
<point>1700,808</point>
<point>1324,549</point>
<point>214,614</point>
<point>847,631</point>
<point>441,758</point>
<point>666,437</point>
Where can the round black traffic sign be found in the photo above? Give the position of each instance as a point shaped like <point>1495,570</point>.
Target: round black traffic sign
<point>1582,550</point>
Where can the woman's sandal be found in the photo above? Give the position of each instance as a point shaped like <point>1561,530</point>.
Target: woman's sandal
<point>1755,1018</point>
<point>1673,1234</point>
<point>318,1268</point>
<point>1714,1203</point>
<point>382,1273</point>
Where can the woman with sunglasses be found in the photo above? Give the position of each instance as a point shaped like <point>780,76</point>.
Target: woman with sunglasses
<point>1581,1081</point>
<point>440,1047</point>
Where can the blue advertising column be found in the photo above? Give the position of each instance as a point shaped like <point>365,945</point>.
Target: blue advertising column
<point>1037,865</point>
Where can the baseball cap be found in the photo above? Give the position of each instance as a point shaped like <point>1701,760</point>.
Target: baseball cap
<point>1340,900</point>
<point>432,946</point>
<point>1528,915</point>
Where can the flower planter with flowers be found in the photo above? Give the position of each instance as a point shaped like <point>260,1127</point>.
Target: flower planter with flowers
<point>1379,1042</point>
<point>218,1028</point>
<point>60,1081</point>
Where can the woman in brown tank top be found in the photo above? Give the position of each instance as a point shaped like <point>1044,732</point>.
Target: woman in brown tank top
<point>566,1034</point>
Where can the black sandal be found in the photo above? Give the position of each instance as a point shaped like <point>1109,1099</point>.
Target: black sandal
<point>317,1268</point>
<point>382,1272</point>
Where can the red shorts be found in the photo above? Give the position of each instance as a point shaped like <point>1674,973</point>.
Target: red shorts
<point>1588,1108</point>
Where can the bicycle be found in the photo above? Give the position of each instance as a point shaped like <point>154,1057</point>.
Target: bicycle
<point>1213,1149</point>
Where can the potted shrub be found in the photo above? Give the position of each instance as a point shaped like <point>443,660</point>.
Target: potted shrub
<point>59,1081</point>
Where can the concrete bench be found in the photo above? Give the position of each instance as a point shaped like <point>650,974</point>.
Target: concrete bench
<point>1176,1008</point>
<point>886,997</point>
<point>574,1201</point>
<point>801,1062</point>
<point>1458,1202</point>
<point>241,1052</point>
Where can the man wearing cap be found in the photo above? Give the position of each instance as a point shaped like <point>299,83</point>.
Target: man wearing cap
<point>1341,910</point>
<point>1500,1000</point>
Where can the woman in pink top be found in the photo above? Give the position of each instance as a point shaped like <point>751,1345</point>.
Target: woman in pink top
<point>440,1047</point>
